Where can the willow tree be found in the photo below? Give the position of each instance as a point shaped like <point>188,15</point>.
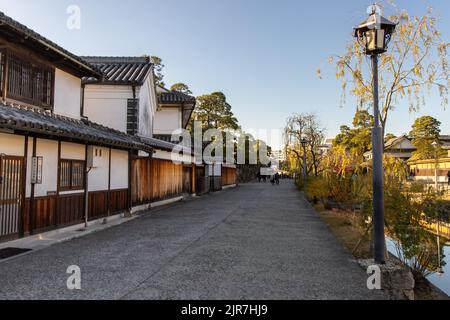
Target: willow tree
<point>415,63</point>
<point>305,126</point>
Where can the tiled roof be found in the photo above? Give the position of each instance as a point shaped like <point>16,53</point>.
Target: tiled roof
<point>175,97</point>
<point>164,145</point>
<point>43,122</point>
<point>122,70</point>
<point>17,28</point>
<point>394,141</point>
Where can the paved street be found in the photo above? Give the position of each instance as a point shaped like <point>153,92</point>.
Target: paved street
<point>253,242</point>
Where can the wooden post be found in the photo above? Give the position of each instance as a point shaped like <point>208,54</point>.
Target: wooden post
<point>31,211</point>
<point>193,182</point>
<point>108,195</point>
<point>129,195</point>
<point>86,188</point>
<point>5,77</point>
<point>24,190</point>
<point>58,184</point>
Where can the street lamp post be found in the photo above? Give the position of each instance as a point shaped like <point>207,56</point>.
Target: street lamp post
<point>374,35</point>
<point>436,186</point>
<point>304,143</point>
<point>436,164</point>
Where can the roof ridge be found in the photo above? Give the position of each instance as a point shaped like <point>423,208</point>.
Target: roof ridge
<point>117,59</point>
<point>20,27</point>
<point>66,126</point>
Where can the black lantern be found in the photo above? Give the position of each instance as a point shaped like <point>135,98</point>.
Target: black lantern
<point>304,142</point>
<point>375,33</point>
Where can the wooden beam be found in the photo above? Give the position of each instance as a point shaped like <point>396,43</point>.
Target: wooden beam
<point>58,183</point>
<point>32,209</point>
<point>24,189</point>
<point>5,77</point>
<point>194,185</point>
<point>86,187</point>
<point>108,196</point>
<point>129,195</point>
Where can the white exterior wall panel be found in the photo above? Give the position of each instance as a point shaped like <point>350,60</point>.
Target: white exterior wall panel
<point>119,165</point>
<point>67,95</point>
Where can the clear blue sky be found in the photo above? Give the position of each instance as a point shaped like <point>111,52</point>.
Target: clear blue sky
<point>262,54</point>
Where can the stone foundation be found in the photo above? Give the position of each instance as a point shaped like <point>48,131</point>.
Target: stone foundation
<point>397,280</point>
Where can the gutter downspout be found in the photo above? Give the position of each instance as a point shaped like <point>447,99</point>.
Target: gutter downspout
<point>83,88</point>
<point>86,189</point>
<point>128,213</point>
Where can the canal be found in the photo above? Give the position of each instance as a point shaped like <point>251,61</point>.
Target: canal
<point>440,280</point>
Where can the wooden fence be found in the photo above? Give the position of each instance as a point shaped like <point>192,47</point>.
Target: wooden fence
<point>228,176</point>
<point>154,180</point>
<point>52,212</point>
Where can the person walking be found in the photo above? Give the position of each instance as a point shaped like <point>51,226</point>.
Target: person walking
<point>277,178</point>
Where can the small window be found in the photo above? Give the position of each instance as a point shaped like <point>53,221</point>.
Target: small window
<point>30,82</point>
<point>71,175</point>
<point>2,72</point>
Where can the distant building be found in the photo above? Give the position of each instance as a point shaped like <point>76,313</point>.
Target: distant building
<point>279,155</point>
<point>425,170</point>
<point>402,147</point>
<point>327,145</point>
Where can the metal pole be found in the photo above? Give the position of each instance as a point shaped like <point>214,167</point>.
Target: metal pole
<point>305,169</point>
<point>439,244</point>
<point>436,164</point>
<point>378,195</point>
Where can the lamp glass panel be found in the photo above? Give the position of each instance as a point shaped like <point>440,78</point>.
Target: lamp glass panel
<point>380,39</point>
<point>370,40</point>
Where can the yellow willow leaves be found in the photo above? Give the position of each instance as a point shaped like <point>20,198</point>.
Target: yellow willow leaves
<point>416,51</point>
<point>357,76</point>
<point>319,73</point>
<point>417,71</point>
<point>340,72</point>
<point>401,89</point>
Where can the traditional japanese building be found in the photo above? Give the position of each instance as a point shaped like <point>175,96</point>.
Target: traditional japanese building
<point>126,99</point>
<point>57,167</point>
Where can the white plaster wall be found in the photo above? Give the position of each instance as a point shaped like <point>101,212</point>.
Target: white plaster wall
<point>12,145</point>
<point>98,177</point>
<point>405,144</point>
<point>107,105</point>
<point>147,107</point>
<point>72,151</point>
<point>166,155</point>
<point>67,94</point>
<point>167,120</point>
<point>48,149</point>
<point>119,174</point>
<point>216,169</point>
<point>143,154</point>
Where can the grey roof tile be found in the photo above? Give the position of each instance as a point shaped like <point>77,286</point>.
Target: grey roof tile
<point>175,97</point>
<point>121,70</point>
<point>30,34</point>
<point>31,120</point>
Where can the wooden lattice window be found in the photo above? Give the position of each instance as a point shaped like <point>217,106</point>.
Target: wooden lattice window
<point>2,72</point>
<point>30,82</point>
<point>71,175</point>
<point>133,116</point>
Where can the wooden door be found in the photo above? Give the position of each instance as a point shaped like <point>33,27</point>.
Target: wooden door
<point>187,180</point>
<point>11,192</point>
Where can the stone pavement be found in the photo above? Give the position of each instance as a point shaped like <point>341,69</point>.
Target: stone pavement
<point>253,242</point>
